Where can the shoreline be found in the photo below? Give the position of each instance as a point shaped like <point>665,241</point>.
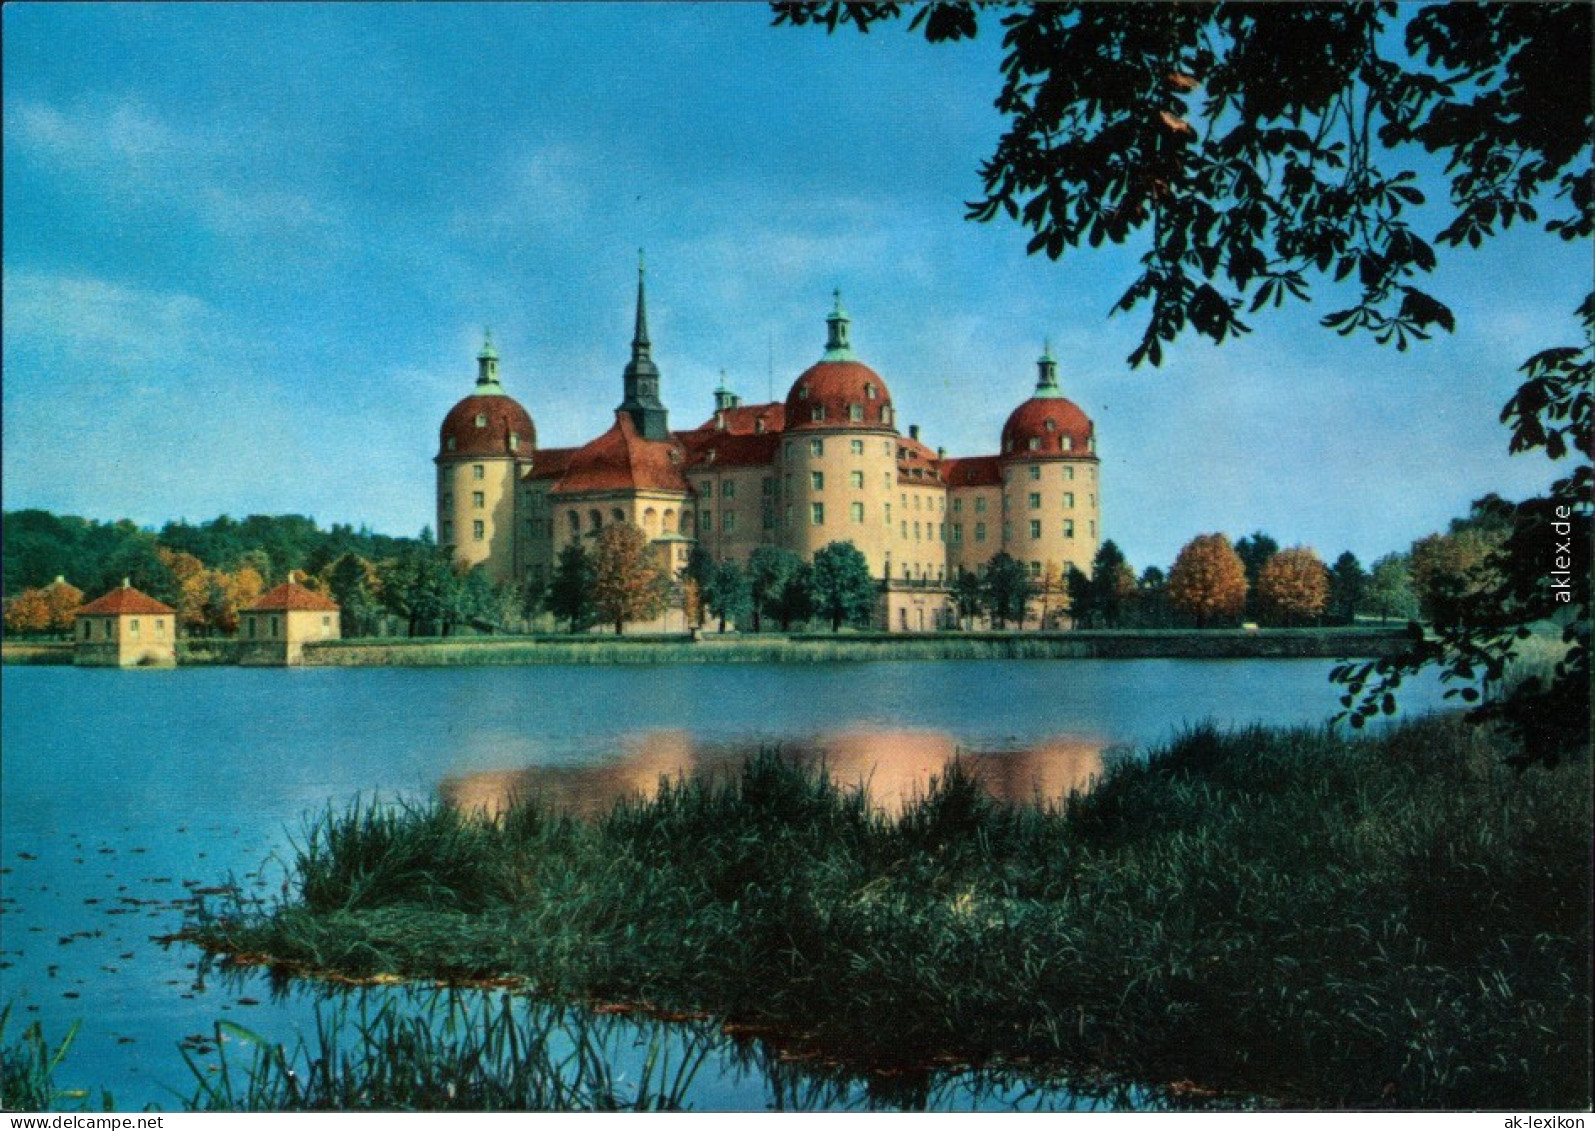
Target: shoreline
<point>807,647</point>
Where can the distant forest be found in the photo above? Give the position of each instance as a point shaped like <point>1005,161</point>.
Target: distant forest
<point>95,556</point>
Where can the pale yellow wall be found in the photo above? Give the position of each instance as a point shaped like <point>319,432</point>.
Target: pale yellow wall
<point>969,510</point>
<point>920,530</point>
<point>259,644</point>
<point>874,490</point>
<point>1066,491</point>
<point>748,497</point>
<point>671,511</point>
<point>125,641</point>
<point>465,499</point>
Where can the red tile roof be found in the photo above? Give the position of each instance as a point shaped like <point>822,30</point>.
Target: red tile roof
<point>550,463</point>
<point>914,456</point>
<point>709,449</point>
<point>292,597</point>
<point>122,602</point>
<point>744,419</point>
<point>838,386</point>
<point>621,460</point>
<point>1047,420</point>
<point>501,416</point>
<point>972,471</point>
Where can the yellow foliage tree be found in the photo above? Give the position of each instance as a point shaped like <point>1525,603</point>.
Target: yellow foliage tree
<point>1293,585</point>
<point>1208,580</point>
<point>28,611</point>
<point>64,601</point>
<point>626,578</point>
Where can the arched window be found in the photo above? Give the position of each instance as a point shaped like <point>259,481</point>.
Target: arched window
<point>869,390</point>
<point>594,520</point>
<point>650,522</point>
<point>575,522</point>
<point>1068,443</point>
<point>617,515</point>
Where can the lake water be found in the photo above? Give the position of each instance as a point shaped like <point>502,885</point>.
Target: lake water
<point>124,793</point>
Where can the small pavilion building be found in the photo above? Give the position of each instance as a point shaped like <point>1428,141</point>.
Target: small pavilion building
<point>125,629</point>
<point>275,629</point>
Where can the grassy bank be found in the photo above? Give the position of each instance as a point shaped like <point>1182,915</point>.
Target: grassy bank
<point>36,652</point>
<point>1391,921</point>
<point>857,646</point>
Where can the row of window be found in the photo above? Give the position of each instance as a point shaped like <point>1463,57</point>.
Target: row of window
<point>1065,443</point>
<point>856,447</point>
<point>481,422</point>
<point>110,627</point>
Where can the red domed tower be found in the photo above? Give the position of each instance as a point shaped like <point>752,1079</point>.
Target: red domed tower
<point>485,444</point>
<point>839,454</point>
<point>1049,471</point>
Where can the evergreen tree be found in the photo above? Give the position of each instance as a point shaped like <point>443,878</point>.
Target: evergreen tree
<point>1082,597</point>
<point>771,571</point>
<point>729,596</point>
<point>1112,583</point>
<point>1347,584</point>
<point>969,596</point>
<point>1007,583</point>
<point>1254,550</point>
<point>570,593</point>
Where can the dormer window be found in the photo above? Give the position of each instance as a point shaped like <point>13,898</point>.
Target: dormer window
<point>515,441</point>
<point>448,444</point>
<point>758,426</point>
<point>803,392</point>
<point>481,420</point>
<point>675,456</point>
<point>855,413</point>
<point>1052,425</point>
<point>869,390</point>
<point>1035,443</point>
<point>886,414</point>
<point>817,413</point>
<point>1091,444</point>
<point>1068,443</point>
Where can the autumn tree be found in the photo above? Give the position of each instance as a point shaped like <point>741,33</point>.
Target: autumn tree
<point>28,613</point>
<point>1007,583</point>
<point>1446,568</point>
<point>1292,585</point>
<point>626,577</point>
<point>570,593</point>
<point>1050,586</point>
<point>840,586</point>
<point>1254,151</point>
<point>1208,581</point>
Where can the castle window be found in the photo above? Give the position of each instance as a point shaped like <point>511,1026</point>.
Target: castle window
<point>1035,471</point>
<point>478,471</point>
<point>1068,473</point>
<point>1068,443</point>
<point>250,621</point>
<point>857,479</point>
<point>916,532</point>
<point>448,445</point>
<point>958,506</point>
<point>888,514</point>
<point>515,441</point>
<point>803,392</point>
<point>916,502</point>
<point>1007,531</point>
<point>1035,500</point>
<point>1035,528</point>
<point>857,511</point>
<point>904,532</point>
<point>869,389</point>
<point>816,447</point>
<point>160,626</point>
<point>886,446</point>
<point>817,514</point>
<point>728,522</point>
<point>706,488</point>
<point>817,480</point>
<point>855,413</point>
<point>1093,499</point>
<point>132,627</point>
<point>478,500</point>
<point>941,532</point>
<point>886,414</point>
<point>448,499</point>
<point>1093,528</point>
<point>767,486</point>
<point>1052,425</point>
<point>594,520</point>
<point>1035,569</point>
<point>1068,528</point>
<point>980,532</point>
<point>1035,443</point>
<point>980,504</point>
<point>481,420</point>
<point>478,530</point>
<point>728,490</point>
<point>817,412</point>
<point>958,533</point>
<point>617,515</point>
<point>856,447</point>
<point>675,456</point>
<point>1068,499</point>
<point>448,532</point>
<point>758,426</point>
<point>706,521</point>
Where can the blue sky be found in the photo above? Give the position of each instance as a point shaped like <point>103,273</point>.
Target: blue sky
<point>249,251</point>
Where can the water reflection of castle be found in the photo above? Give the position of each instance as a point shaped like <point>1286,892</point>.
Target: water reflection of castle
<point>826,465</point>
<point>894,766</point>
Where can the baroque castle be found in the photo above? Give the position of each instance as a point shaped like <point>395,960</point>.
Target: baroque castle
<point>827,465</point>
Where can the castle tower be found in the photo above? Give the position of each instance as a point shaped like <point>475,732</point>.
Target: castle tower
<point>1050,494</point>
<point>839,455</point>
<point>487,440</point>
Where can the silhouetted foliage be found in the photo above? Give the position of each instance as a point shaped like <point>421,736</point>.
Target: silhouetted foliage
<point>840,586</point>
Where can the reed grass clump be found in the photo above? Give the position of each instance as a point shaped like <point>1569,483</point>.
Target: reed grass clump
<point>1395,920</point>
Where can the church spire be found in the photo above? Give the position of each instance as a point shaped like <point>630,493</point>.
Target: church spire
<point>641,378</point>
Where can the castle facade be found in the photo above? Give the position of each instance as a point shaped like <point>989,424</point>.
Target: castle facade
<point>826,465</point>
